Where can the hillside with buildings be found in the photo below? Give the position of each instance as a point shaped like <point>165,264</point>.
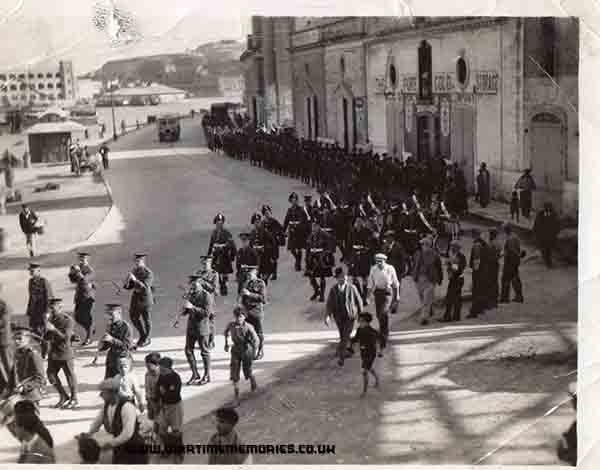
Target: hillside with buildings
<point>211,69</point>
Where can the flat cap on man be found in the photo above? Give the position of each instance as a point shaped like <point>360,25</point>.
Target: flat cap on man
<point>82,254</point>
<point>206,257</point>
<point>140,255</point>
<point>381,256</point>
<point>113,306</point>
<point>248,267</point>
<point>55,300</point>
<point>34,265</point>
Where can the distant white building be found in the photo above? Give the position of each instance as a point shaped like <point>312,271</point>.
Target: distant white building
<point>232,85</point>
<point>39,86</point>
<point>87,89</point>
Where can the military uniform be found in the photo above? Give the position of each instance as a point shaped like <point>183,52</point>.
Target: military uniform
<point>223,251</point>
<point>85,295</point>
<point>120,347</point>
<point>253,304</point>
<point>296,221</point>
<point>199,331</point>
<point>276,231</point>
<point>61,356</point>
<point>320,248</point>
<point>142,299</point>
<point>40,292</point>
<point>266,247</point>
<point>28,366</point>
<point>246,256</point>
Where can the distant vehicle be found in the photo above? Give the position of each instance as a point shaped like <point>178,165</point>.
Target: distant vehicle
<point>169,127</point>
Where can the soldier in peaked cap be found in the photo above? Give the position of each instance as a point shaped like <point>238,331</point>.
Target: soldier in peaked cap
<point>209,276</point>
<point>40,292</point>
<point>59,330</point>
<point>297,226</point>
<point>27,376</point>
<point>246,256</point>
<point>223,250</point>
<point>253,297</point>
<point>140,281</point>
<point>117,340</point>
<point>273,226</point>
<point>265,245</point>
<point>320,249</point>
<point>199,309</point>
<point>82,275</point>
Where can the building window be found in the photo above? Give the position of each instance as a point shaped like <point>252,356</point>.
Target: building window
<point>57,75</point>
<point>40,75</point>
<point>461,71</point>
<point>2,77</point>
<point>48,75</point>
<point>50,86</point>
<point>59,85</point>
<point>31,76</point>
<point>41,97</point>
<point>12,76</point>
<point>51,97</point>
<point>21,76</point>
<point>393,76</point>
<point>23,97</point>
<point>22,86</point>
<point>40,86</point>
<point>342,66</point>
<point>13,87</point>
<point>60,96</point>
<point>549,46</point>
<point>425,81</point>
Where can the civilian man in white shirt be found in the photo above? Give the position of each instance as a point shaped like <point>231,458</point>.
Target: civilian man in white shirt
<point>384,285</point>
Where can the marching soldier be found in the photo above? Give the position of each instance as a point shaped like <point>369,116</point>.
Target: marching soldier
<point>209,276</point>
<point>309,207</point>
<point>253,298</point>
<point>117,340</point>
<point>40,293</point>
<point>296,226</point>
<point>265,245</point>
<point>362,245</point>
<point>140,280</point>
<point>246,256</point>
<point>27,376</point>
<point>199,309</point>
<point>320,249</point>
<point>343,224</point>
<point>82,275</point>
<point>223,250</point>
<point>59,330</point>
<point>272,225</point>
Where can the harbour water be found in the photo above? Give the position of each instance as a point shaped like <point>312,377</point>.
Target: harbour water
<point>140,113</point>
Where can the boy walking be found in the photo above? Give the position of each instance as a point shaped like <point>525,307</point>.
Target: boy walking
<point>367,337</point>
<point>150,381</point>
<point>226,435</point>
<point>243,352</point>
<point>170,423</point>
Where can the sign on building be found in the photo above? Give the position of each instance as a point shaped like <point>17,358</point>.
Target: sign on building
<point>487,81</point>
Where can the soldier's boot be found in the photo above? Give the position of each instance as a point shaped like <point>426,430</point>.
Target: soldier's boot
<point>206,377</point>
<point>193,366</point>
<point>322,290</point>
<point>315,286</point>
<point>63,397</point>
<point>298,256</point>
<point>365,384</point>
<point>253,385</point>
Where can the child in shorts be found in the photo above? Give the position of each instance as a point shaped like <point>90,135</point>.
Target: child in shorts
<point>368,338</point>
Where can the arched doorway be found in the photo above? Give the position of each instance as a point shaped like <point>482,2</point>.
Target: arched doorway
<point>345,117</point>
<point>428,131</point>
<point>547,151</point>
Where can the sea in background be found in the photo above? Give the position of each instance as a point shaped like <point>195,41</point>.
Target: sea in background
<point>140,113</point>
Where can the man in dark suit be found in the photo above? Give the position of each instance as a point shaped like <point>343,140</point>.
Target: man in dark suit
<point>546,228</point>
<point>344,304</point>
<point>140,280</point>
<point>116,341</point>
<point>59,330</point>
<point>82,275</point>
<point>27,221</point>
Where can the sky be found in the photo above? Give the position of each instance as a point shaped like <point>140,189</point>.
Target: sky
<point>39,33</point>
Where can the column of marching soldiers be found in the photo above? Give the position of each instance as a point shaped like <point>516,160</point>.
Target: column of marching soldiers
<point>359,211</point>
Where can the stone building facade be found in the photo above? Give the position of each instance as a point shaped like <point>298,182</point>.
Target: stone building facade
<point>498,90</point>
<point>478,90</point>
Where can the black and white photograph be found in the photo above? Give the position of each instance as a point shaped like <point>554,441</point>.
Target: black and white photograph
<point>238,237</point>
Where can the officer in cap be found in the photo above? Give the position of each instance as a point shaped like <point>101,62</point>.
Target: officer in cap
<point>200,309</point>
<point>297,225</point>
<point>253,297</point>
<point>140,280</point>
<point>117,341</point>
<point>209,276</point>
<point>265,245</point>
<point>320,248</point>
<point>82,275</point>
<point>223,250</point>
<point>40,292</point>
<point>246,256</point>
<point>275,229</point>
<point>59,330</point>
<point>27,376</point>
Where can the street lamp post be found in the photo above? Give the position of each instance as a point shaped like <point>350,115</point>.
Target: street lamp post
<point>112,106</point>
